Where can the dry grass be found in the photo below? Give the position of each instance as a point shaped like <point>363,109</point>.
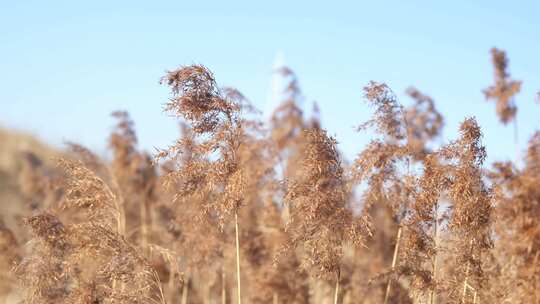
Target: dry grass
<point>236,210</point>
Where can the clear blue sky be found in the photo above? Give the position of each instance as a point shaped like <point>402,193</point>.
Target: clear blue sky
<point>65,65</point>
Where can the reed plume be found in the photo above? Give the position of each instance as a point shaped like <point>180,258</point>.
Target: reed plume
<point>320,223</point>
<point>410,220</point>
<point>218,128</point>
<point>517,201</point>
<point>471,209</point>
<point>423,122</point>
<point>85,261</point>
<point>504,89</point>
<point>377,165</point>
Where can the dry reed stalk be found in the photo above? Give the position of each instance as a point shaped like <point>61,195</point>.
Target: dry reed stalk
<point>121,220</point>
<point>336,291</point>
<point>171,288</point>
<point>470,216</point>
<point>144,226</point>
<point>516,141</point>
<point>120,214</point>
<point>239,285</point>
<point>433,293</point>
<point>214,117</point>
<point>185,291</point>
<point>223,287</point>
<point>174,269</point>
<point>465,283</point>
<point>208,293</point>
<point>402,137</point>
<point>394,262</point>
<point>160,288</point>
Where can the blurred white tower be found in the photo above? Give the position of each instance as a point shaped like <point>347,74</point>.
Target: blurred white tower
<point>277,86</point>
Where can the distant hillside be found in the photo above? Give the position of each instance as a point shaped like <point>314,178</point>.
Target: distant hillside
<point>14,142</point>
<point>12,145</point>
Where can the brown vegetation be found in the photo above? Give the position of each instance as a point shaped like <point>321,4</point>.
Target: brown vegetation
<point>239,210</point>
